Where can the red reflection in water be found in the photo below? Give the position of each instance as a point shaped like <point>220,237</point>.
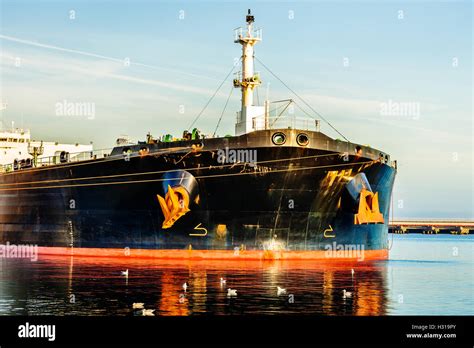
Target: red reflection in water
<point>312,287</point>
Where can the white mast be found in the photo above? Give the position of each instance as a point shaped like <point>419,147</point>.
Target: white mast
<point>250,117</point>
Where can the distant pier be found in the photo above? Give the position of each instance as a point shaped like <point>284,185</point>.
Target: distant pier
<point>432,227</point>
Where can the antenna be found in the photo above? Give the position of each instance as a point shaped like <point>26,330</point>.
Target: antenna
<point>250,19</point>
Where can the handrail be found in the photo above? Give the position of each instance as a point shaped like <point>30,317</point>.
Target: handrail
<point>286,121</point>
<point>256,33</point>
<point>52,160</point>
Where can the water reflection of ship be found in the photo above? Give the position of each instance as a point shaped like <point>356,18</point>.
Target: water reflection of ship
<point>173,301</point>
<point>315,288</point>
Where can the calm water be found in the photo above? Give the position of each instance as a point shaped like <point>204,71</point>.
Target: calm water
<point>425,275</point>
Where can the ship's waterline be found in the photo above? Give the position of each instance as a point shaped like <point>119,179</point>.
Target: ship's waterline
<point>341,253</point>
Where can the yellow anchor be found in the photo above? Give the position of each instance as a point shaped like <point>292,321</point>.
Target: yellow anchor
<point>174,205</point>
<point>369,211</point>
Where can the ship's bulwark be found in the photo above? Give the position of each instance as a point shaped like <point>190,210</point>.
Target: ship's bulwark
<point>300,205</point>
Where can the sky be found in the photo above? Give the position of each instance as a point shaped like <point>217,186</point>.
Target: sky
<point>153,65</point>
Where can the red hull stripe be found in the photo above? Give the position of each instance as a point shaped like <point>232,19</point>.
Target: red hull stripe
<point>213,254</point>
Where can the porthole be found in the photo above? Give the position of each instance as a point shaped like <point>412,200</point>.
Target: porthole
<point>278,138</point>
<point>302,139</point>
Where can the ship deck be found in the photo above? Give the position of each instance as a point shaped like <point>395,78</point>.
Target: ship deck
<point>254,140</point>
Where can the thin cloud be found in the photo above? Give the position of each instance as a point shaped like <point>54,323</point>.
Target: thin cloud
<point>98,69</point>
<point>99,56</point>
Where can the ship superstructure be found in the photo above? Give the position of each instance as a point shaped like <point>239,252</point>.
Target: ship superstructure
<point>18,150</point>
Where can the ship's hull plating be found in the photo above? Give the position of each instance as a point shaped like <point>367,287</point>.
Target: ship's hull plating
<point>290,207</point>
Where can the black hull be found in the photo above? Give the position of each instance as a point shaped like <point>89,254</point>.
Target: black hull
<point>301,202</point>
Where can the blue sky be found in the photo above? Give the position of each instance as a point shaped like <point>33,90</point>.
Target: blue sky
<point>177,63</point>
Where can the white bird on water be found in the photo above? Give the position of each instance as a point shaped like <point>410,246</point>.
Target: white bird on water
<point>346,294</point>
<point>223,281</point>
<point>231,292</point>
<point>185,286</point>
<point>148,312</point>
<point>124,273</point>
<point>138,305</point>
<point>352,271</point>
<point>280,291</point>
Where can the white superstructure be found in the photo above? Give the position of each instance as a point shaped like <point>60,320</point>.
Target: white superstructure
<point>16,145</point>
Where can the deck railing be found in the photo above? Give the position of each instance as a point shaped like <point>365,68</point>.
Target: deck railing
<point>240,33</point>
<point>57,159</point>
<point>286,122</point>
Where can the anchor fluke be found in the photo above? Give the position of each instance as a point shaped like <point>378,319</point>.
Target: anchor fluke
<point>365,201</point>
<point>180,195</point>
<point>174,205</point>
<point>369,211</point>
